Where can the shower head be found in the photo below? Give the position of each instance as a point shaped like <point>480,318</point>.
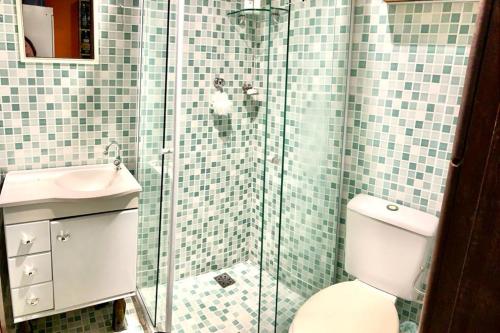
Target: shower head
<point>291,2</point>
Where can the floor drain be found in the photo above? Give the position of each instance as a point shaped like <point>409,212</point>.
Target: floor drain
<point>224,280</point>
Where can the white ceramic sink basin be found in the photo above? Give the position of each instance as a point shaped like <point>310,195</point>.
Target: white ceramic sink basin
<point>70,183</point>
<point>88,180</point>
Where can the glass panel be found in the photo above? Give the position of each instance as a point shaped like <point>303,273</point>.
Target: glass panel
<point>215,230</point>
<point>150,165</point>
<point>316,80</point>
<point>275,38</point>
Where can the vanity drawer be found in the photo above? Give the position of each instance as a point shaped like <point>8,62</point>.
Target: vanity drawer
<point>32,299</point>
<point>28,270</point>
<point>26,238</point>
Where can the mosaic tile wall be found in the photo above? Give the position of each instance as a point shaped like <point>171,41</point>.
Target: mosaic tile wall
<point>59,115</point>
<point>408,70</point>
<point>214,153</point>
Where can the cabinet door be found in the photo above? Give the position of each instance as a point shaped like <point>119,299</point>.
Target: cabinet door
<point>93,257</point>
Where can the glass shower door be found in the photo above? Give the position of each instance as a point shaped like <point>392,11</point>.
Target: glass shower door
<point>274,35</point>
<point>154,158</point>
<point>257,187</point>
<point>215,226</point>
<point>311,150</point>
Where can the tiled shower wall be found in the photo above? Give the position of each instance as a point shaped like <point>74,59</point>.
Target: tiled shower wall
<point>408,69</point>
<point>214,153</point>
<point>58,114</point>
<point>213,202</point>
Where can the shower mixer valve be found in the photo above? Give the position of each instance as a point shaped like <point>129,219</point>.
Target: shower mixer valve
<point>219,83</point>
<point>246,87</point>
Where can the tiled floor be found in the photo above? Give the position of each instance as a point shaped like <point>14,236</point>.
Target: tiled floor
<point>201,305</point>
<point>95,319</point>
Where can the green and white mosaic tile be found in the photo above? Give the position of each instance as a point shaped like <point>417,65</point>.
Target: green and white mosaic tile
<point>201,305</point>
<point>407,73</point>
<point>59,114</point>
<point>214,151</point>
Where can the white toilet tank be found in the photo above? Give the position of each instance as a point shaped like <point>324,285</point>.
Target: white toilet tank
<point>386,244</point>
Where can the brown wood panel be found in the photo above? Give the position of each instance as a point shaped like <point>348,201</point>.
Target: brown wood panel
<point>66,28</point>
<point>478,301</point>
<point>464,286</point>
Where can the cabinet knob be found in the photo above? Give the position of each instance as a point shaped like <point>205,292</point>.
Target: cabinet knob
<point>30,271</point>
<point>33,301</point>
<point>63,237</point>
<point>28,240</point>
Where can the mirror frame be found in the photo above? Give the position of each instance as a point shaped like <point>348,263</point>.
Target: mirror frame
<point>22,50</point>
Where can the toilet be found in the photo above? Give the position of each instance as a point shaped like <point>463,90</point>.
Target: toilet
<point>386,247</point>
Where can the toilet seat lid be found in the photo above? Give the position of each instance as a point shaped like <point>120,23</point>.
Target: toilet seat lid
<point>346,307</point>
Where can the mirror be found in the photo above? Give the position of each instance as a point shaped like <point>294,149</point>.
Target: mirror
<point>58,31</point>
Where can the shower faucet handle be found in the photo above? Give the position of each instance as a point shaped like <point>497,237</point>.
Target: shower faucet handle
<point>246,87</point>
<point>219,83</point>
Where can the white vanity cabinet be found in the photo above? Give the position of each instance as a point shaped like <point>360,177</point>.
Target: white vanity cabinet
<point>63,264</point>
<point>64,254</point>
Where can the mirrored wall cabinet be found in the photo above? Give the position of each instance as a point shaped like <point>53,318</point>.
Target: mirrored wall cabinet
<point>58,31</point>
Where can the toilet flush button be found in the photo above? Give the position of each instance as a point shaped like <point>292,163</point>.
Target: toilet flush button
<point>392,207</point>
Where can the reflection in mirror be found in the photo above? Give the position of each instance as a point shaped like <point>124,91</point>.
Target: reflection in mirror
<point>58,28</point>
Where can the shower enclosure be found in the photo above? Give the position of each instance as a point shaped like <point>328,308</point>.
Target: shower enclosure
<point>251,197</point>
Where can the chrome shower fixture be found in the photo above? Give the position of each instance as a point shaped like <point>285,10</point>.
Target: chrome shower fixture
<point>219,84</point>
<point>246,87</point>
<point>291,2</point>
<point>242,19</point>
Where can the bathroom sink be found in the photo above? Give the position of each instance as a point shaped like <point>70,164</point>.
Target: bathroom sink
<point>68,183</point>
<point>88,180</point>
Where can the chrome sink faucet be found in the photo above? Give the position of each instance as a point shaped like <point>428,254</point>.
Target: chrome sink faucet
<point>118,160</point>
